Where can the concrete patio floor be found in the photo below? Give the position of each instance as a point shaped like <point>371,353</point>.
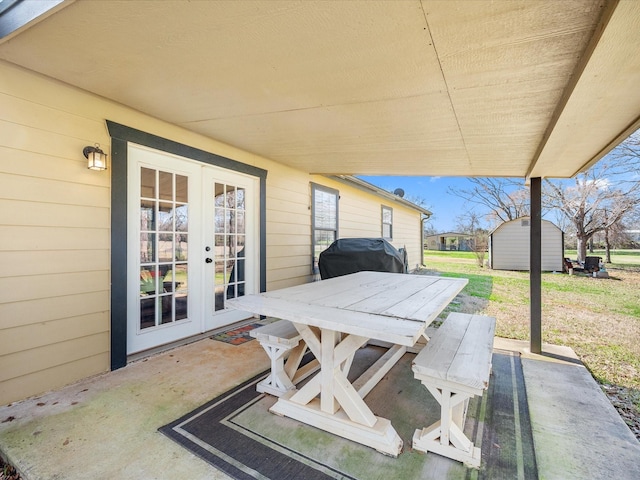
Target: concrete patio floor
<point>107,426</point>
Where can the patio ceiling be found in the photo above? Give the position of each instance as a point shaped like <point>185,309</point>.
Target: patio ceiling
<point>406,87</point>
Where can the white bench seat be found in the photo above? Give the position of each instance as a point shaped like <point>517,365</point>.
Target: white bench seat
<point>281,340</point>
<point>455,365</point>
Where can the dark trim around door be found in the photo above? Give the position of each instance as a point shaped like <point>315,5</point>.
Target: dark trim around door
<point>121,136</point>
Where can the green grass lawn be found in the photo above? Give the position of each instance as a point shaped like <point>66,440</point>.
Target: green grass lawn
<point>598,318</point>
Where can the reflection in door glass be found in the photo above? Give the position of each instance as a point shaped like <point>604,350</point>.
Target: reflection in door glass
<point>147,247</point>
<point>229,236</point>
<point>180,288</point>
<point>147,183</point>
<point>163,248</point>
<point>166,185</point>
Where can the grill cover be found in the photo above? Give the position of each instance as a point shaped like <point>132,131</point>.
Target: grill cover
<point>351,255</point>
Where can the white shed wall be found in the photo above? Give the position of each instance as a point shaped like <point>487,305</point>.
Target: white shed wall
<point>510,246</point>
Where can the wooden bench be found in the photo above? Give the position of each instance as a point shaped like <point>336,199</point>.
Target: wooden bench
<point>454,366</point>
<point>281,340</point>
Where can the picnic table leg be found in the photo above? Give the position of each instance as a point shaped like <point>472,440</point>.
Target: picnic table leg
<point>292,366</point>
<point>328,372</point>
<point>340,409</point>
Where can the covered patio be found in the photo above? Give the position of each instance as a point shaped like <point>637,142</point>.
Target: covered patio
<point>408,87</point>
<point>467,88</point>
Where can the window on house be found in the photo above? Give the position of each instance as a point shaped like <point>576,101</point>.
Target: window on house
<point>324,220</point>
<point>387,222</point>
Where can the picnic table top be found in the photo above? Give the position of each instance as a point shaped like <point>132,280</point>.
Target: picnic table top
<point>391,307</point>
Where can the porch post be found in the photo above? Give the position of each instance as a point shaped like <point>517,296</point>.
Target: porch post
<point>535,265</point>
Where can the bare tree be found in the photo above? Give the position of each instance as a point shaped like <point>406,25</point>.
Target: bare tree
<point>471,224</point>
<point>417,200</point>
<point>505,198</point>
<point>600,198</point>
<point>612,235</point>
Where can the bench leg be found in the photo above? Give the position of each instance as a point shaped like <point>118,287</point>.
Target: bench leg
<point>285,375</point>
<point>278,382</point>
<point>446,437</point>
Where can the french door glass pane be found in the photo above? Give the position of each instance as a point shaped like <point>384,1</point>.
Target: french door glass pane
<point>164,229</point>
<point>147,214</point>
<point>166,185</point>
<point>147,247</point>
<point>165,247</point>
<point>229,229</point>
<point>182,218</point>
<point>147,312</point>
<point>182,247</point>
<point>147,183</point>
<point>182,189</point>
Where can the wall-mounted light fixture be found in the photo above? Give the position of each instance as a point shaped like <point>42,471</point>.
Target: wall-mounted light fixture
<point>97,158</point>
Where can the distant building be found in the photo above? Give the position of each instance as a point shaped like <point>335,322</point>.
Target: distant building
<point>449,241</point>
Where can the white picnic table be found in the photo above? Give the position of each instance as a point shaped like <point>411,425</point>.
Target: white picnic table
<point>335,317</point>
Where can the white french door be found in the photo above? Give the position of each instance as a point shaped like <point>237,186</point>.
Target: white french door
<point>192,244</point>
<point>230,243</point>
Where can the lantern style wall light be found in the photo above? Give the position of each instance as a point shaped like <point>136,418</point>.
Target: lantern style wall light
<point>97,158</point>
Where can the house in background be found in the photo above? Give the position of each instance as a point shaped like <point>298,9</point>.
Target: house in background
<point>231,130</point>
<point>509,246</point>
<point>448,241</point>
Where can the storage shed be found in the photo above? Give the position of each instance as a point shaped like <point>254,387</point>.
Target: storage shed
<point>509,246</point>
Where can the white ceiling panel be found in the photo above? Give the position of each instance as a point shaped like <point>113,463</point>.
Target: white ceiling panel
<point>406,87</point>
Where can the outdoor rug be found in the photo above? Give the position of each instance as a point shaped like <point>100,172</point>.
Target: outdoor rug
<point>235,432</point>
<point>238,335</point>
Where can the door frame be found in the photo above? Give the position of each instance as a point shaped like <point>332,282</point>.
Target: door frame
<point>121,135</point>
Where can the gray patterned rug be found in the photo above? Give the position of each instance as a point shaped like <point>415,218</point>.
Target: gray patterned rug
<point>236,434</point>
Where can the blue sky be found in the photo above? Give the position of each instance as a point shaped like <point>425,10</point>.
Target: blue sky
<point>433,190</point>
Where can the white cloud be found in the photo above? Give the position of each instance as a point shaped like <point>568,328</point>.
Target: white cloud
<point>600,183</point>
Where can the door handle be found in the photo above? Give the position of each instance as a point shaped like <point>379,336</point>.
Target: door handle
<point>208,260</point>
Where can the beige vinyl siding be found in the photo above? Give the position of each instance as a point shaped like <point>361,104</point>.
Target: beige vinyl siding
<point>288,227</point>
<point>359,213</point>
<point>510,246</point>
<point>407,234</point>
<point>54,225</point>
